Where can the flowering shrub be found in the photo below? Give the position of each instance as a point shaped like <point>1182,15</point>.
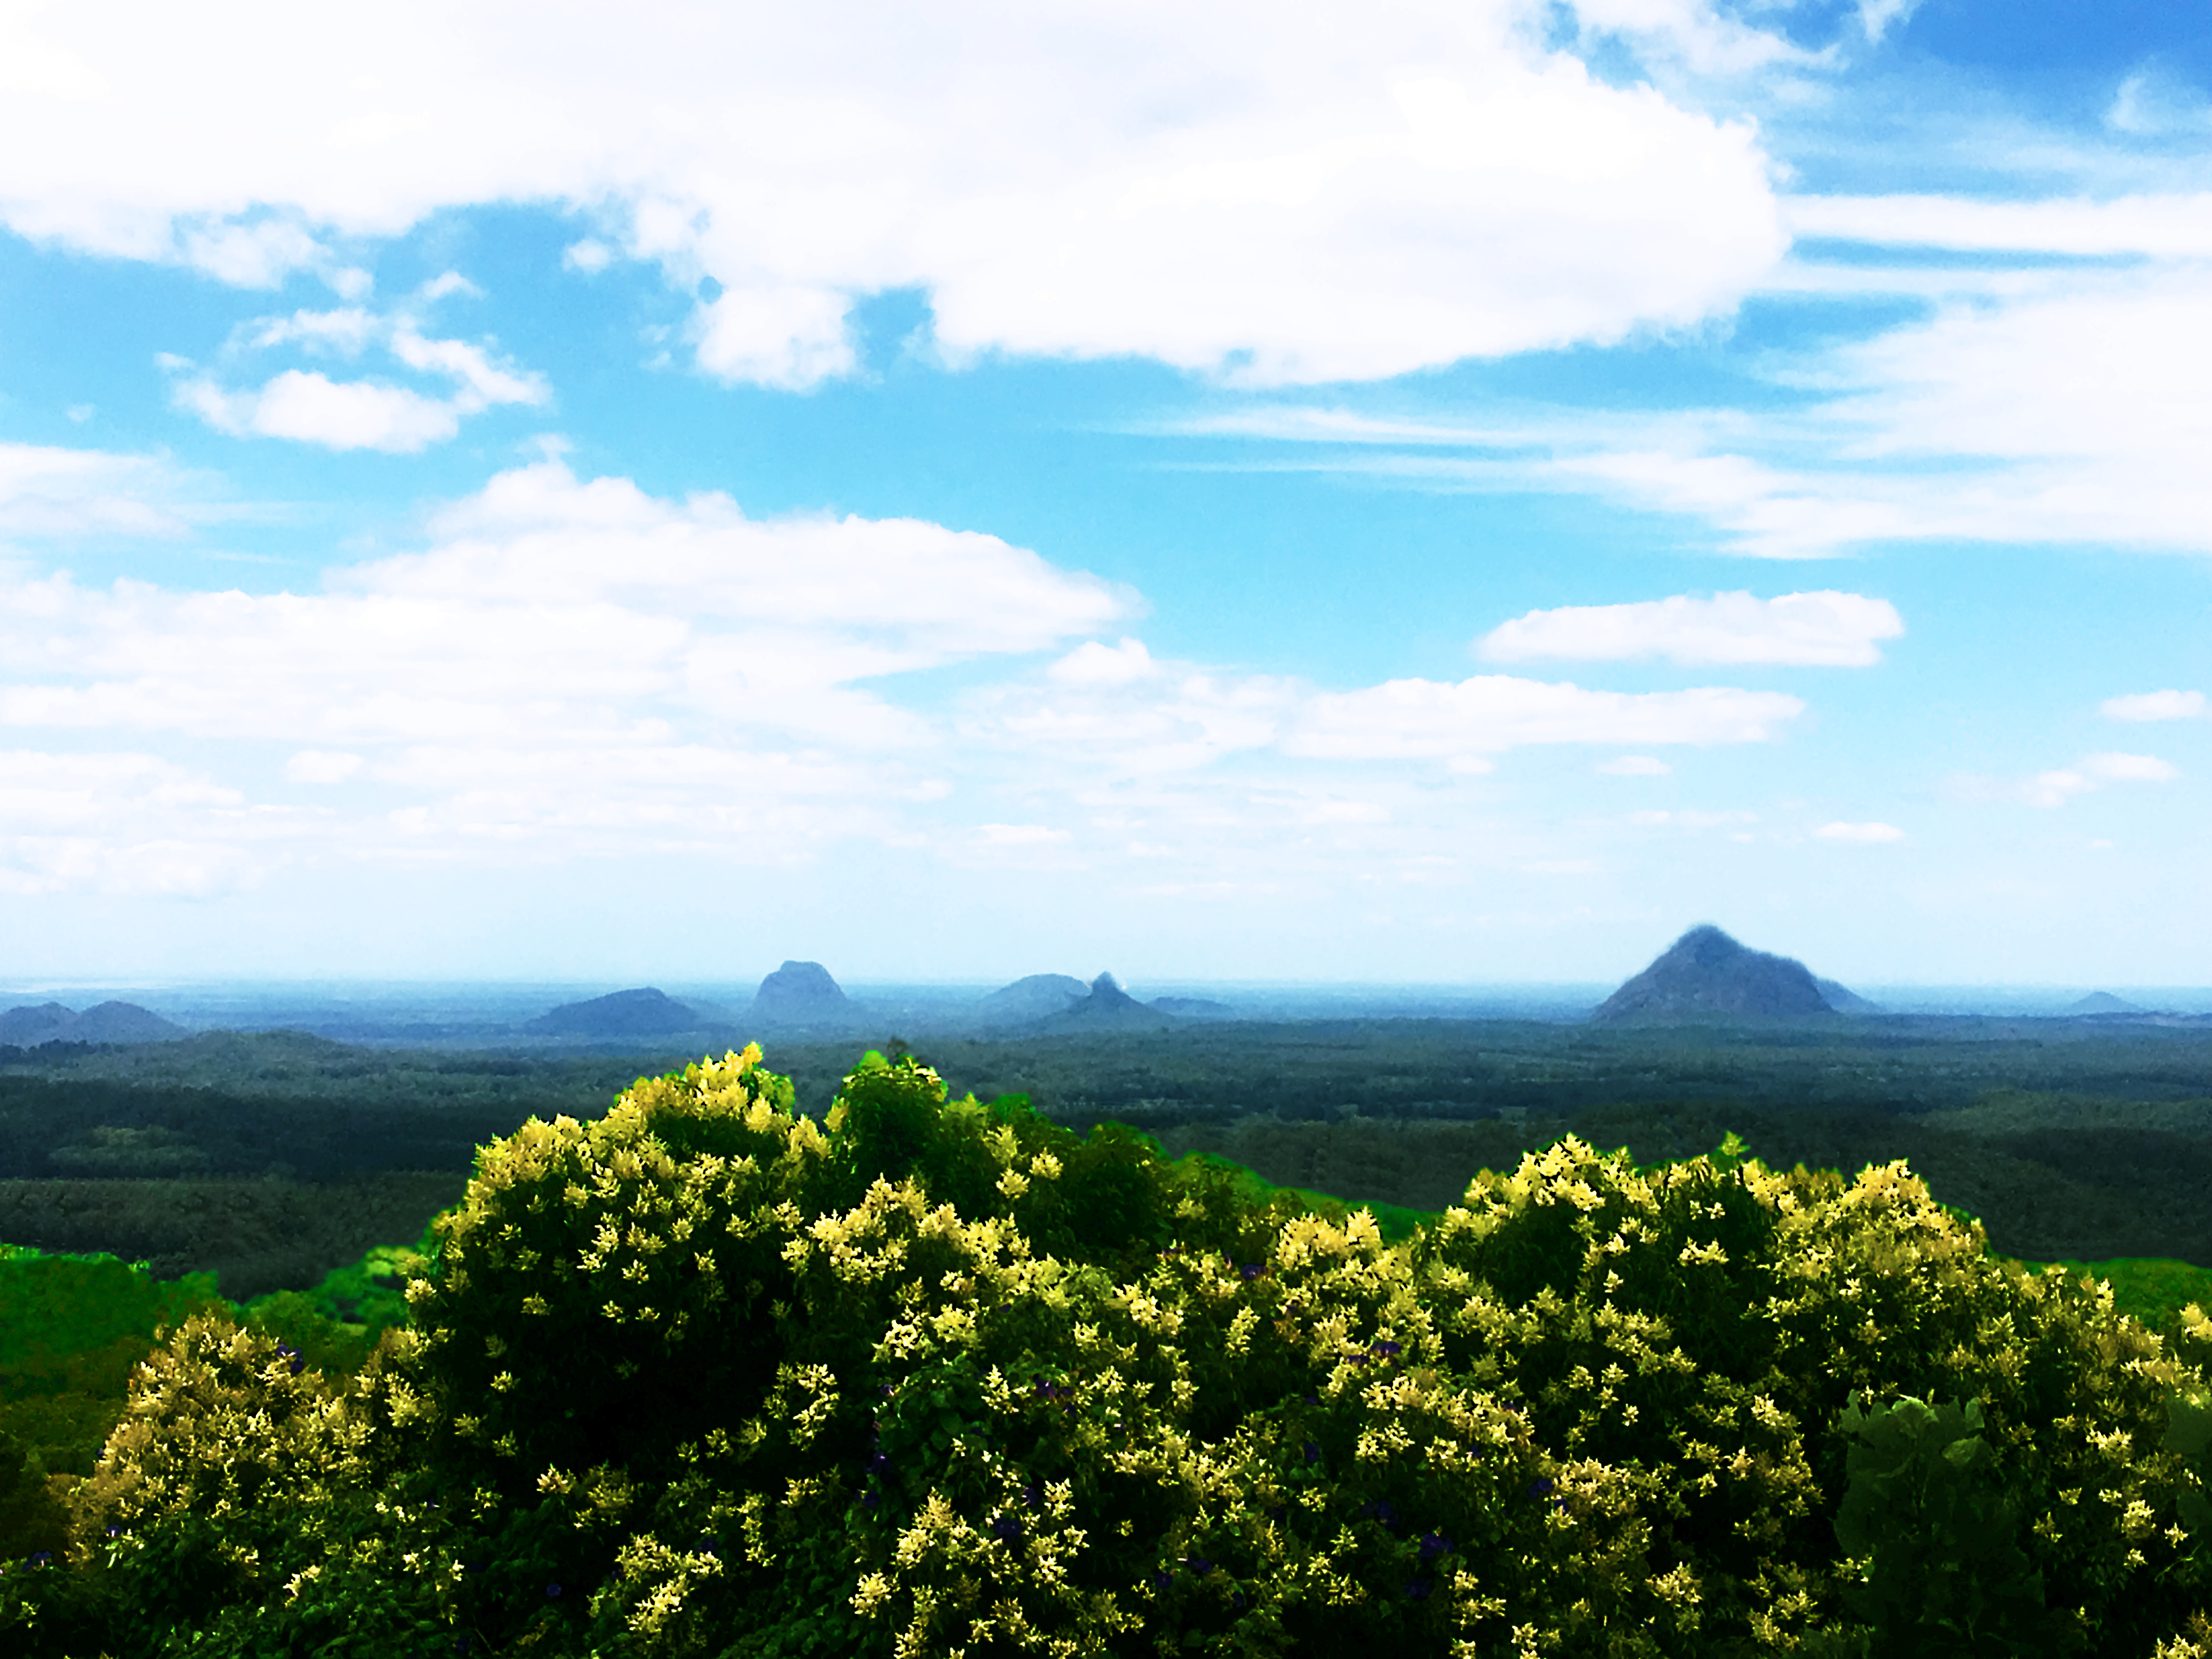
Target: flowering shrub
<point>703,1377</point>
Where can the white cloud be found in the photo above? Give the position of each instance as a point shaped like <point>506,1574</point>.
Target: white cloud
<point>2061,785</point>
<point>258,255</point>
<point>1866,834</point>
<point>1416,719</point>
<point>1692,819</point>
<point>1635,766</point>
<point>2156,706</point>
<point>1018,834</point>
<point>1387,186</point>
<point>2130,769</point>
<point>2155,225</point>
<point>591,256</point>
<point>124,824</point>
<point>307,406</point>
<point>1875,16</point>
<point>570,665</point>
<point>2151,103</point>
<point>52,492</point>
<point>322,766</point>
<point>1825,628</point>
<point>311,408</point>
<point>1093,664</point>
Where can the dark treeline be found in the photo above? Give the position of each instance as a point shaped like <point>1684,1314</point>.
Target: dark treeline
<point>272,1158</point>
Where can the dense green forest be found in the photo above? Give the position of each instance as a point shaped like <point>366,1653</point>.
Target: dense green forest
<point>270,1160</point>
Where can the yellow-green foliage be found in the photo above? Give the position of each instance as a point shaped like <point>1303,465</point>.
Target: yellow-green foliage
<point>941,1378</point>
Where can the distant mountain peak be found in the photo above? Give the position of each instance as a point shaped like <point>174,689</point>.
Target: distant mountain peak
<point>801,993</point>
<point>1108,1004</point>
<point>106,1021</point>
<point>1031,997</point>
<point>2104,1002</point>
<point>1707,975</point>
<point>644,1011</point>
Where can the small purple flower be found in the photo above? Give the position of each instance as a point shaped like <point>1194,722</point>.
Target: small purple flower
<point>1417,1590</point>
<point>1163,1579</point>
<point>42,1558</point>
<point>553,1591</point>
<point>1433,1544</point>
<point>1388,1350</point>
<point>1198,1565</point>
<point>1250,1270</point>
<point>878,1462</point>
<point>1008,1529</point>
<point>1029,1495</point>
<point>1313,1452</point>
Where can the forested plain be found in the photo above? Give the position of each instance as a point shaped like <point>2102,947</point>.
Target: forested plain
<point>270,1158</point>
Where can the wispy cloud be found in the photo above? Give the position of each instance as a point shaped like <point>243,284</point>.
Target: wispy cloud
<point>2156,706</point>
<point>1825,630</point>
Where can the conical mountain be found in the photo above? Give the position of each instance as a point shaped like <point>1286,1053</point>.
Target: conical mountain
<point>1705,976</point>
<point>1108,1007</point>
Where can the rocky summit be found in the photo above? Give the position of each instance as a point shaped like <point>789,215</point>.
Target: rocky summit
<point>1705,976</point>
<point>801,993</point>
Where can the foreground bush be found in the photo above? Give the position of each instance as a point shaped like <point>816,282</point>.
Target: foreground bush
<point>702,1378</point>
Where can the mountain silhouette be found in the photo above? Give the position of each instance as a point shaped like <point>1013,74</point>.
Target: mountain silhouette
<point>2103,1002</point>
<point>1705,976</point>
<point>28,1027</point>
<point>642,1012</point>
<point>1031,997</point>
<point>802,993</point>
<point>1108,1007</point>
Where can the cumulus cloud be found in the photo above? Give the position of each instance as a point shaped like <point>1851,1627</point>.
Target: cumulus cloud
<point>1864,833</point>
<point>311,408</point>
<point>550,603</point>
<point>308,406</point>
<point>569,664</point>
<point>1388,187</point>
<point>1826,629</point>
<point>2156,706</point>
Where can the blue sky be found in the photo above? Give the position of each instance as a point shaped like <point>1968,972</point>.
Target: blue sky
<point>1381,492</point>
